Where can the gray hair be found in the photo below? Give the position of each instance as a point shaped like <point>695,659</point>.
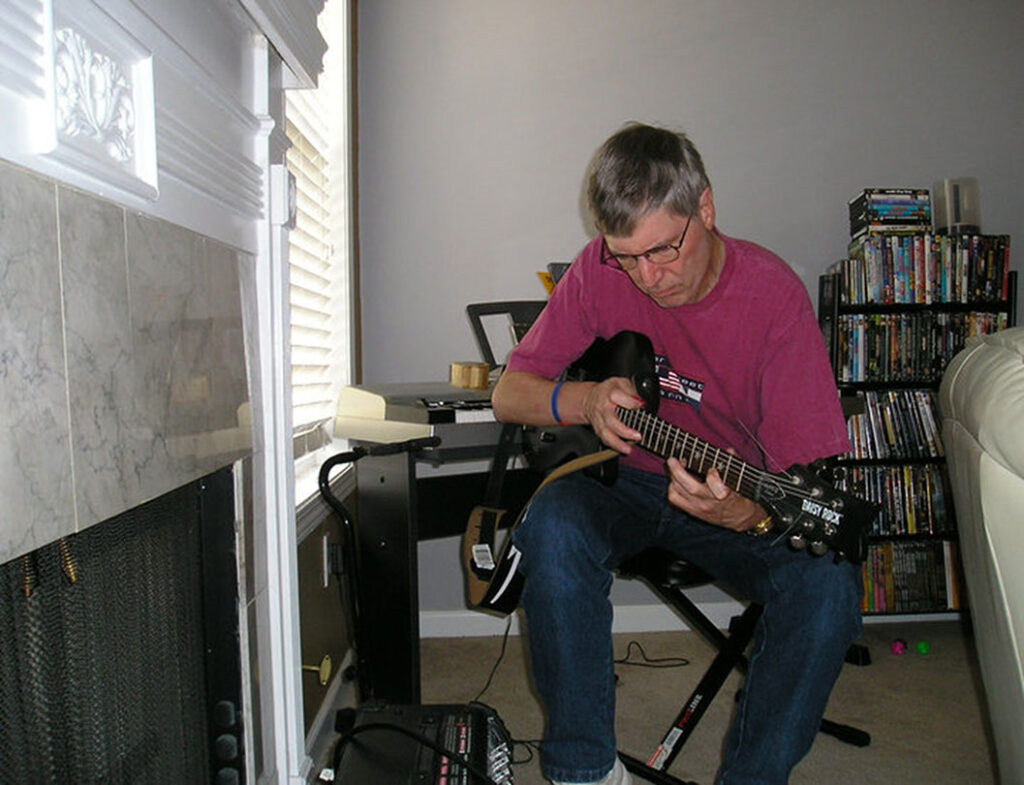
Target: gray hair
<point>639,170</point>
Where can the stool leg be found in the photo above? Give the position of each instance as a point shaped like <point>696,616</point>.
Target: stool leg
<point>730,654</point>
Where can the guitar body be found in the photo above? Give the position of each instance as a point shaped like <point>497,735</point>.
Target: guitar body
<point>628,354</point>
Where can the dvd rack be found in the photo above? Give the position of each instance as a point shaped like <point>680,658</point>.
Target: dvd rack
<point>893,315</point>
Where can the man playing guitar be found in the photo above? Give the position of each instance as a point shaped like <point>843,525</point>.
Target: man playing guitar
<point>740,363</point>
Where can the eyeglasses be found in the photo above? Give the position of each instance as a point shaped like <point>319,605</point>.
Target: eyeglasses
<point>662,254</point>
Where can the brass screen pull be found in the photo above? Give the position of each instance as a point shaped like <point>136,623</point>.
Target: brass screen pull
<point>323,670</point>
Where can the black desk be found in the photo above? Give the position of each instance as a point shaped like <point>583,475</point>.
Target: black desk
<point>395,510</point>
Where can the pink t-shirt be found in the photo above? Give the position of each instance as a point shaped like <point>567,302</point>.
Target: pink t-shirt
<point>745,367</point>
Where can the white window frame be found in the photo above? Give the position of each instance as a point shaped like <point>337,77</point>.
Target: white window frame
<point>324,117</point>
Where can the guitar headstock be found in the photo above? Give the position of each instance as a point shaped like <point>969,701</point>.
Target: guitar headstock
<point>816,516</point>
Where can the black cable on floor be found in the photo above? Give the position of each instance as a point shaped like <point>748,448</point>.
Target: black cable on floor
<point>649,662</point>
<point>532,746</point>
<point>501,656</point>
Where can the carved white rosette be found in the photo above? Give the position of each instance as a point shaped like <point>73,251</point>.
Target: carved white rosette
<point>94,96</point>
<point>103,100</point>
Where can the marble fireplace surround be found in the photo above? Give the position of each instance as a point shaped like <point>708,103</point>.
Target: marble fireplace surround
<point>122,359</point>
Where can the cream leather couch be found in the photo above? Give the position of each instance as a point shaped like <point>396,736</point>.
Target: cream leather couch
<point>982,403</point>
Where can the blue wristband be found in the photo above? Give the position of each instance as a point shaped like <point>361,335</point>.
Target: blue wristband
<point>554,403</point>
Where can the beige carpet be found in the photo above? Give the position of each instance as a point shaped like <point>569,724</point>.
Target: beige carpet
<point>924,712</point>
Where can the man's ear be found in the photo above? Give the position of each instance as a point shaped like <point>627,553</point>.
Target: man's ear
<point>706,207</point>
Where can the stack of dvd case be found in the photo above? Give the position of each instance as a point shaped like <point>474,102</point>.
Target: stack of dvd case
<point>890,210</point>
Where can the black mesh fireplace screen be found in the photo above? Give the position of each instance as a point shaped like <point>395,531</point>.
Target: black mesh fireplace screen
<point>108,657</point>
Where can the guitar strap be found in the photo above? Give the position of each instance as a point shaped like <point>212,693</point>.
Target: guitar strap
<point>496,585</point>
<point>506,449</point>
<point>485,518</point>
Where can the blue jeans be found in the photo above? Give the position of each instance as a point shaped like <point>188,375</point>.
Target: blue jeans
<point>578,530</point>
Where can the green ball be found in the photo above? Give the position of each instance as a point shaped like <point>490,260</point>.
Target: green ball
<point>923,647</point>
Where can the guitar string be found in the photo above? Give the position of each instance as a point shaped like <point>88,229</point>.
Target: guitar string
<point>644,421</point>
<point>735,471</point>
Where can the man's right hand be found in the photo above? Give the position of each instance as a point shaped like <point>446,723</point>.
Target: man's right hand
<point>526,398</point>
<point>599,409</point>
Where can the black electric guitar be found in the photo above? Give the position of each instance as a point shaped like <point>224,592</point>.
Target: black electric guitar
<point>806,510</point>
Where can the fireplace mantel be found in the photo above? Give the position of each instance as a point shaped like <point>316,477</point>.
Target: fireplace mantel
<point>166,108</point>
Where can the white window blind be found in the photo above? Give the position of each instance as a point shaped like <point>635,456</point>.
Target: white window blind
<point>319,245</point>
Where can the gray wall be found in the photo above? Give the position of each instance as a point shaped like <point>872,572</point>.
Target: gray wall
<point>477,118</point>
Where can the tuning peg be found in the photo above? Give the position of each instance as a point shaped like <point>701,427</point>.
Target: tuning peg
<point>818,548</point>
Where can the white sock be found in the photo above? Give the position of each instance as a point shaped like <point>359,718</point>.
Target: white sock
<point>617,776</point>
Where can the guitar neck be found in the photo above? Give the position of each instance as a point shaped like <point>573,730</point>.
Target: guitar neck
<point>669,441</point>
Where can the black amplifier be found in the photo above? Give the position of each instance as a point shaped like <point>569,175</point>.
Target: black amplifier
<point>425,745</point>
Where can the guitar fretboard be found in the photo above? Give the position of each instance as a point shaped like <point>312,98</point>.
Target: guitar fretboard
<point>669,441</point>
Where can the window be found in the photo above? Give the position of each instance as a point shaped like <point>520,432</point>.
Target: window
<point>317,125</point>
